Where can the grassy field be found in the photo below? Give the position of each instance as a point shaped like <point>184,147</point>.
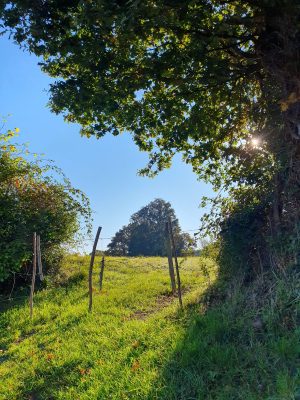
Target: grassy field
<point>138,344</point>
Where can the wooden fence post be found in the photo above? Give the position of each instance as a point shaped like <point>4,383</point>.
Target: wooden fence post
<point>176,263</point>
<point>170,259</point>
<point>33,275</point>
<point>101,272</point>
<point>39,257</point>
<point>91,269</point>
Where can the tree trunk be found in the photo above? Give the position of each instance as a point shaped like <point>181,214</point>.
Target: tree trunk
<point>278,47</point>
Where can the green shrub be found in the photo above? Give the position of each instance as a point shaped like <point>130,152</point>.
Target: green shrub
<point>34,197</point>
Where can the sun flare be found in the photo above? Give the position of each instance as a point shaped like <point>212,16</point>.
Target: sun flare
<point>255,142</point>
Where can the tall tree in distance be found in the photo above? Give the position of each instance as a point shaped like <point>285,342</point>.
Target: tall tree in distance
<point>145,234</point>
<point>120,242</point>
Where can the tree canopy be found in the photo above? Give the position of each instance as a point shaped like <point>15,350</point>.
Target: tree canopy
<point>146,232</point>
<point>194,76</point>
<point>216,80</point>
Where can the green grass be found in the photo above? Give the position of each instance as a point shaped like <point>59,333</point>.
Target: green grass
<point>138,344</point>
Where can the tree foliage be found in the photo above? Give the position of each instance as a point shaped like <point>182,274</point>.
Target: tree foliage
<point>217,80</point>
<point>34,197</point>
<point>146,232</point>
<point>189,76</point>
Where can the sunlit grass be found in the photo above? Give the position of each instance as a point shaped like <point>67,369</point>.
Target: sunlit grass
<point>67,353</point>
<point>138,344</point>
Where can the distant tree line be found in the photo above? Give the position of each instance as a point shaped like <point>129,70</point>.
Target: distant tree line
<point>146,233</point>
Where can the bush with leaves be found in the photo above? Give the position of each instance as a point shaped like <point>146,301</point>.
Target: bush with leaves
<point>35,196</point>
<point>249,242</point>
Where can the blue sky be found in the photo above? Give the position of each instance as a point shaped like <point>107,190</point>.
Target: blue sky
<point>105,169</point>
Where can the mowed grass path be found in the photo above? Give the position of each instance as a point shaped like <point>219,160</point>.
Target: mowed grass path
<point>116,352</point>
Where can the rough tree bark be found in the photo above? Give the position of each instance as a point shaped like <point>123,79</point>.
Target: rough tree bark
<point>279,50</point>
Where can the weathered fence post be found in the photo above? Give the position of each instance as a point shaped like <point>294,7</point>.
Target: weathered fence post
<point>101,272</point>
<point>91,269</point>
<point>33,275</point>
<point>170,259</point>
<point>13,286</point>
<point>176,263</point>
<point>39,257</point>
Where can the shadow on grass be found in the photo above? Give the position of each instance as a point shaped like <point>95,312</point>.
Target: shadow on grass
<point>223,356</point>
<point>15,302</point>
<point>51,376</point>
<point>21,296</point>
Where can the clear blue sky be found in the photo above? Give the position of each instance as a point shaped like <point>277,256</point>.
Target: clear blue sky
<point>105,169</point>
